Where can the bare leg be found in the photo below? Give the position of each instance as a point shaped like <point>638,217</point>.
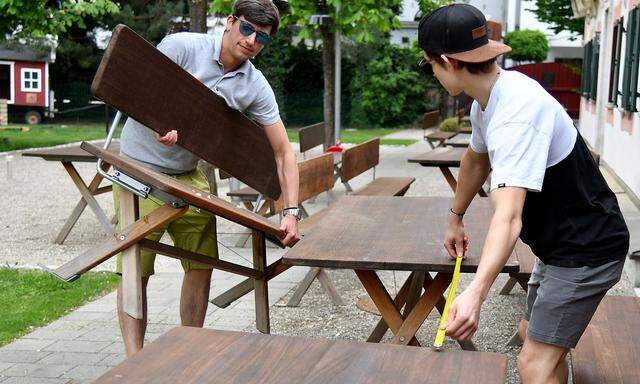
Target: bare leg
<point>133,329</point>
<point>195,297</point>
<point>540,362</point>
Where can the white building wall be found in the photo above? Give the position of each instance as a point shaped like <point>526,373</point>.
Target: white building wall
<point>611,130</point>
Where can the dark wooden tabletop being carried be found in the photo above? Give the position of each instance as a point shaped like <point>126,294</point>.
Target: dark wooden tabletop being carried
<point>390,233</point>
<point>440,157</point>
<point>194,355</point>
<point>71,153</point>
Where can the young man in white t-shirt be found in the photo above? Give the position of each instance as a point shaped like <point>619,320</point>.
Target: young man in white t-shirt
<point>545,188</point>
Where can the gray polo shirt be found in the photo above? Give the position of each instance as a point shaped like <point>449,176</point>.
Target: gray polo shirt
<point>244,89</point>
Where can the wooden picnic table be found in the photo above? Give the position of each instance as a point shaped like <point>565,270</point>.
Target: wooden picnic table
<point>367,234</point>
<point>195,355</point>
<point>437,138</point>
<point>460,140</point>
<point>609,350</point>
<point>444,158</point>
<point>74,154</point>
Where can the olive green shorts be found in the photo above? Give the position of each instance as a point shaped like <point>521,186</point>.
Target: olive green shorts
<point>194,231</point>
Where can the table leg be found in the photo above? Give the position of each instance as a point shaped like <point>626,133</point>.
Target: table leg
<point>508,286</point>
<point>383,301</point>
<point>131,271</point>
<point>261,288</point>
<point>303,287</point>
<point>401,298</point>
<point>87,196</point>
<point>433,292</point>
<point>446,172</point>
<point>80,206</point>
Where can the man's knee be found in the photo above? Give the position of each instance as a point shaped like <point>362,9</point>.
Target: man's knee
<point>198,277</point>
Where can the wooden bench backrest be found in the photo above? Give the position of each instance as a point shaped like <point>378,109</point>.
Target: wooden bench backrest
<point>316,176</point>
<point>137,79</point>
<point>311,136</point>
<point>431,119</point>
<point>360,158</point>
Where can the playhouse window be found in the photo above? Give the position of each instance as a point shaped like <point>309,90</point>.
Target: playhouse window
<point>31,80</point>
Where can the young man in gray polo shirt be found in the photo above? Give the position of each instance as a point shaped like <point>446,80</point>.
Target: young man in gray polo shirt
<point>545,188</point>
<point>221,62</point>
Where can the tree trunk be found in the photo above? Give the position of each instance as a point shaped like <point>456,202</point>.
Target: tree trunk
<point>329,69</point>
<point>198,15</point>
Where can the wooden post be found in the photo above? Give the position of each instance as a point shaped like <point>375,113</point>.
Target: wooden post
<point>261,288</point>
<point>131,271</point>
<point>4,112</point>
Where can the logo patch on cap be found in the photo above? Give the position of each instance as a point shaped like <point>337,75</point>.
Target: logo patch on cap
<point>479,32</point>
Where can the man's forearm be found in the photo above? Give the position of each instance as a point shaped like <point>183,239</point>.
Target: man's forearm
<point>471,177</point>
<point>288,177</point>
<point>499,243</point>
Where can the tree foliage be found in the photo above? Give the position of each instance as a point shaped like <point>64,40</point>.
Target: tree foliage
<point>37,18</point>
<point>388,89</point>
<point>559,15</point>
<point>358,19</point>
<point>527,45</point>
<point>427,6</point>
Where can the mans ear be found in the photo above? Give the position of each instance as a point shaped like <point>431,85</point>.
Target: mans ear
<point>450,62</point>
<point>230,21</point>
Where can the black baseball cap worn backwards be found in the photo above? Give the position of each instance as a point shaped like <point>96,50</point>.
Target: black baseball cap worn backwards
<point>458,31</point>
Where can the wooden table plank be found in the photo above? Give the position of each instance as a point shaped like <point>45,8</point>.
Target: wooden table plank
<point>71,153</point>
<point>461,140</point>
<point>390,233</point>
<point>609,350</point>
<point>193,355</point>
<point>440,157</point>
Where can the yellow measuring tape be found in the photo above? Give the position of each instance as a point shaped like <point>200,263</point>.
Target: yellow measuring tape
<point>437,344</point>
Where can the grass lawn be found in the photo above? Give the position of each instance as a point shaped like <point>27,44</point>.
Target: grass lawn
<point>33,298</point>
<point>46,135</point>
<point>353,136</point>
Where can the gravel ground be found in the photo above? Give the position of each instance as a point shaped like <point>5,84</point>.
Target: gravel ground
<point>38,196</point>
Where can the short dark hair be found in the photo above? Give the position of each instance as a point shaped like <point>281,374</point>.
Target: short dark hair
<point>261,12</point>
<point>474,68</point>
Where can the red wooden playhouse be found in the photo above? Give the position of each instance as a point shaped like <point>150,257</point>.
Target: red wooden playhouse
<point>24,83</point>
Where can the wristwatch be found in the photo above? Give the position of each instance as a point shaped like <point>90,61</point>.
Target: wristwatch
<point>293,211</point>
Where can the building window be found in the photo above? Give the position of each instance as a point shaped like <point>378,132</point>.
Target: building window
<point>31,80</point>
<point>614,75</point>
<point>629,92</point>
<point>589,85</point>
<point>405,40</point>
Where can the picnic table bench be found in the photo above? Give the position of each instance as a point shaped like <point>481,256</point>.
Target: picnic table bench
<point>436,139</point>
<point>461,140</point>
<point>194,355</point>
<point>609,350</point>
<point>370,233</point>
<point>74,154</point>
<point>444,158</point>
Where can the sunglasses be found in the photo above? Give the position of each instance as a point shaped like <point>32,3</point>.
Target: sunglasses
<point>425,66</point>
<point>247,29</point>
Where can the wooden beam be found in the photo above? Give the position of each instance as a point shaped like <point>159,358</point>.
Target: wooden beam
<point>131,269</point>
<point>87,195</point>
<point>182,254</point>
<point>261,287</point>
<point>237,291</point>
<point>127,237</point>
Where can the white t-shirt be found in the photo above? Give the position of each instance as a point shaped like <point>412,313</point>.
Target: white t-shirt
<point>523,129</point>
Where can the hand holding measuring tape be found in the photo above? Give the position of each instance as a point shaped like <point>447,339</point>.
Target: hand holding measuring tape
<point>460,316</point>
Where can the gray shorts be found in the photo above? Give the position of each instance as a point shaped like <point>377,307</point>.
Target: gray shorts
<point>561,301</point>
